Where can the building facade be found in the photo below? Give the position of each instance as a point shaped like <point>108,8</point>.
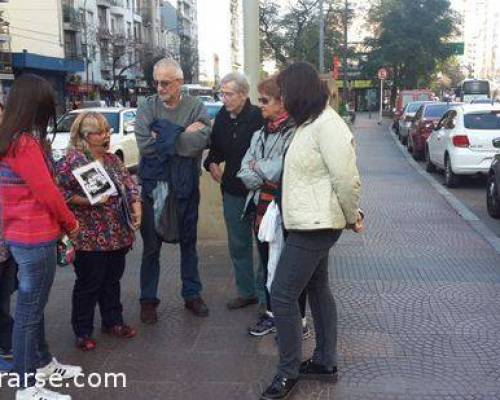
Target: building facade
<point>187,20</point>
<point>38,48</point>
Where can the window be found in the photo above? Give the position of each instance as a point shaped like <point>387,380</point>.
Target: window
<point>113,121</point>
<point>64,124</point>
<point>128,120</point>
<point>482,121</point>
<point>436,111</point>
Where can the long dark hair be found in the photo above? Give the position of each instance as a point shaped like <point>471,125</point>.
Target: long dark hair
<point>30,106</point>
<point>303,92</point>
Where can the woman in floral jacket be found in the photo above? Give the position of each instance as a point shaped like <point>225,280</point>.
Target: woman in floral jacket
<point>105,235</point>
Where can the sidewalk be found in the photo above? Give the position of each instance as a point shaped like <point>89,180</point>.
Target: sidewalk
<point>418,299</point>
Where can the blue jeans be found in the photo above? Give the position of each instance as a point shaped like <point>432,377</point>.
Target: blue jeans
<point>36,270</point>
<point>150,266</point>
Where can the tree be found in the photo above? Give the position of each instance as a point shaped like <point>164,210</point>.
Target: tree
<point>410,39</point>
<point>294,35</point>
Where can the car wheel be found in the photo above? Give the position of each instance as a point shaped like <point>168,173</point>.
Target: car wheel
<point>450,178</point>
<point>492,197</point>
<point>429,166</point>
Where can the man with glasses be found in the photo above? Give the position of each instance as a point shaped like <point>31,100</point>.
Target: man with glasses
<point>188,113</point>
<point>232,132</point>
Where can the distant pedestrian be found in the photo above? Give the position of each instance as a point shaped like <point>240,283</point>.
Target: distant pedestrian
<point>168,108</point>
<point>106,234</point>
<point>232,132</point>
<point>320,198</point>
<point>29,193</point>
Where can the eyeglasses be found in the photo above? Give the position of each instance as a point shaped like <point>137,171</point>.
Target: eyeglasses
<point>164,84</point>
<point>227,94</point>
<point>264,101</point>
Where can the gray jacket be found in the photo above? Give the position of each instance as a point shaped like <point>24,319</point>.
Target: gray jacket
<point>267,150</point>
<point>189,110</point>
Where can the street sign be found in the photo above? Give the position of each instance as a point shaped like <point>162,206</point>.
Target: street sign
<point>382,73</point>
<point>457,49</point>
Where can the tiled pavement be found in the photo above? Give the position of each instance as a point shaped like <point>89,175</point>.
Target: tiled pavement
<point>418,297</point>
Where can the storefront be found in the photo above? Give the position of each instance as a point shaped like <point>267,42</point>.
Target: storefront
<point>51,68</point>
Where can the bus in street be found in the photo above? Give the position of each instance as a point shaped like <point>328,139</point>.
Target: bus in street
<point>472,89</point>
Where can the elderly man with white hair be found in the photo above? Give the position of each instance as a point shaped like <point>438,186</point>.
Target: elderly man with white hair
<point>232,132</point>
<point>189,114</point>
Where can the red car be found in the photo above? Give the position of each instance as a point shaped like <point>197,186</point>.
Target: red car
<point>427,116</point>
<point>406,96</point>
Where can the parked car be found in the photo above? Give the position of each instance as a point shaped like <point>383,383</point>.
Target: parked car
<point>407,118</point>
<point>426,119</point>
<point>493,186</point>
<point>407,96</point>
<point>122,123</point>
<point>213,108</point>
<point>461,143</point>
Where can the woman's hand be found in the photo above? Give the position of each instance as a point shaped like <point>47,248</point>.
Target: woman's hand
<point>74,233</point>
<point>136,214</point>
<point>215,172</point>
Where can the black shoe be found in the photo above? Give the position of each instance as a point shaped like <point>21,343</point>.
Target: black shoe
<point>6,354</point>
<point>280,388</point>
<point>197,306</point>
<point>310,370</point>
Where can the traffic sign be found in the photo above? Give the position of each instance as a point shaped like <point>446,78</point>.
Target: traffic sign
<point>382,73</point>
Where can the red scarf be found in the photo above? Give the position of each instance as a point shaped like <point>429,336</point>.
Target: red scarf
<point>275,125</point>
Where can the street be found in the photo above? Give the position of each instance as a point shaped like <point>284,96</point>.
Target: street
<point>417,297</point>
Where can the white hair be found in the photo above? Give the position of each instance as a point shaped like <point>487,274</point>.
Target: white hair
<point>239,80</point>
<point>169,63</point>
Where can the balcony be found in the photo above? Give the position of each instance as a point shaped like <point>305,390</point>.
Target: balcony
<point>71,18</point>
<point>72,53</point>
<point>103,33</point>
<point>104,3</point>
<point>117,7</point>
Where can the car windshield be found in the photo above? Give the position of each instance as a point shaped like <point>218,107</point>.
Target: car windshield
<point>436,111</point>
<point>484,120</point>
<point>476,87</point>
<point>113,118</point>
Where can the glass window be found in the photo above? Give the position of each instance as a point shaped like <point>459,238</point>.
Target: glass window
<point>128,119</point>
<point>476,87</point>
<point>413,107</point>
<point>113,121</point>
<point>436,111</point>
<point>486,121</point>
<point>64,124</point>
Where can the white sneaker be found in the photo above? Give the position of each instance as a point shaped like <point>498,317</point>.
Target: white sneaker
<point>35,393</point>
<point>56,368</point>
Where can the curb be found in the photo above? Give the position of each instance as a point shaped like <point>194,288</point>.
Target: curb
<point>462,210</point>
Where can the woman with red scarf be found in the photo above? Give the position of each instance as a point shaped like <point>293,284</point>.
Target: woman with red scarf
<point>261,173</point>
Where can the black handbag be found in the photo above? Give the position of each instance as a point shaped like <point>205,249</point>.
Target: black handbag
<point>168,225</point>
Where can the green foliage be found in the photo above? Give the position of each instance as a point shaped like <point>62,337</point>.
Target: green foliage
<point>294,35</point>
<point>411,39</point>
<point>342,110</point>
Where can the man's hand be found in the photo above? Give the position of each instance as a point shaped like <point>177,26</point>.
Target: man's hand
<point>195,127</point>
<point>154,134</point>
<point>251,164</point>
<point>216,172</point>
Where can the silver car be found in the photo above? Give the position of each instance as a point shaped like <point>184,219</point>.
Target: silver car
<point>408,118</point>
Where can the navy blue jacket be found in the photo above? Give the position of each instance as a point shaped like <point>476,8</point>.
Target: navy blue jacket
<point>182,173</point>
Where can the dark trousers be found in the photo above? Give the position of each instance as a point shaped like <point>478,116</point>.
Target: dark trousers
<point>8,271</point>
<point>150,265</point>
<point>263,249</point>
<point>98,275</point>
<point>304,266</point>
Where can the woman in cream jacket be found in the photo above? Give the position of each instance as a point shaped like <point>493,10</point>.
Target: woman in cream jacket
<point>320,198</point>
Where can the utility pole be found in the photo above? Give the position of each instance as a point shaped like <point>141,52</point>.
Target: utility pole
<point>251,44</point>
<point>86,47</point>
<point>321,62</point>
<point>344,58</point>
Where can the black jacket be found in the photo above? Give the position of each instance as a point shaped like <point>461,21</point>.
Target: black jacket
<point>229,142</point>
